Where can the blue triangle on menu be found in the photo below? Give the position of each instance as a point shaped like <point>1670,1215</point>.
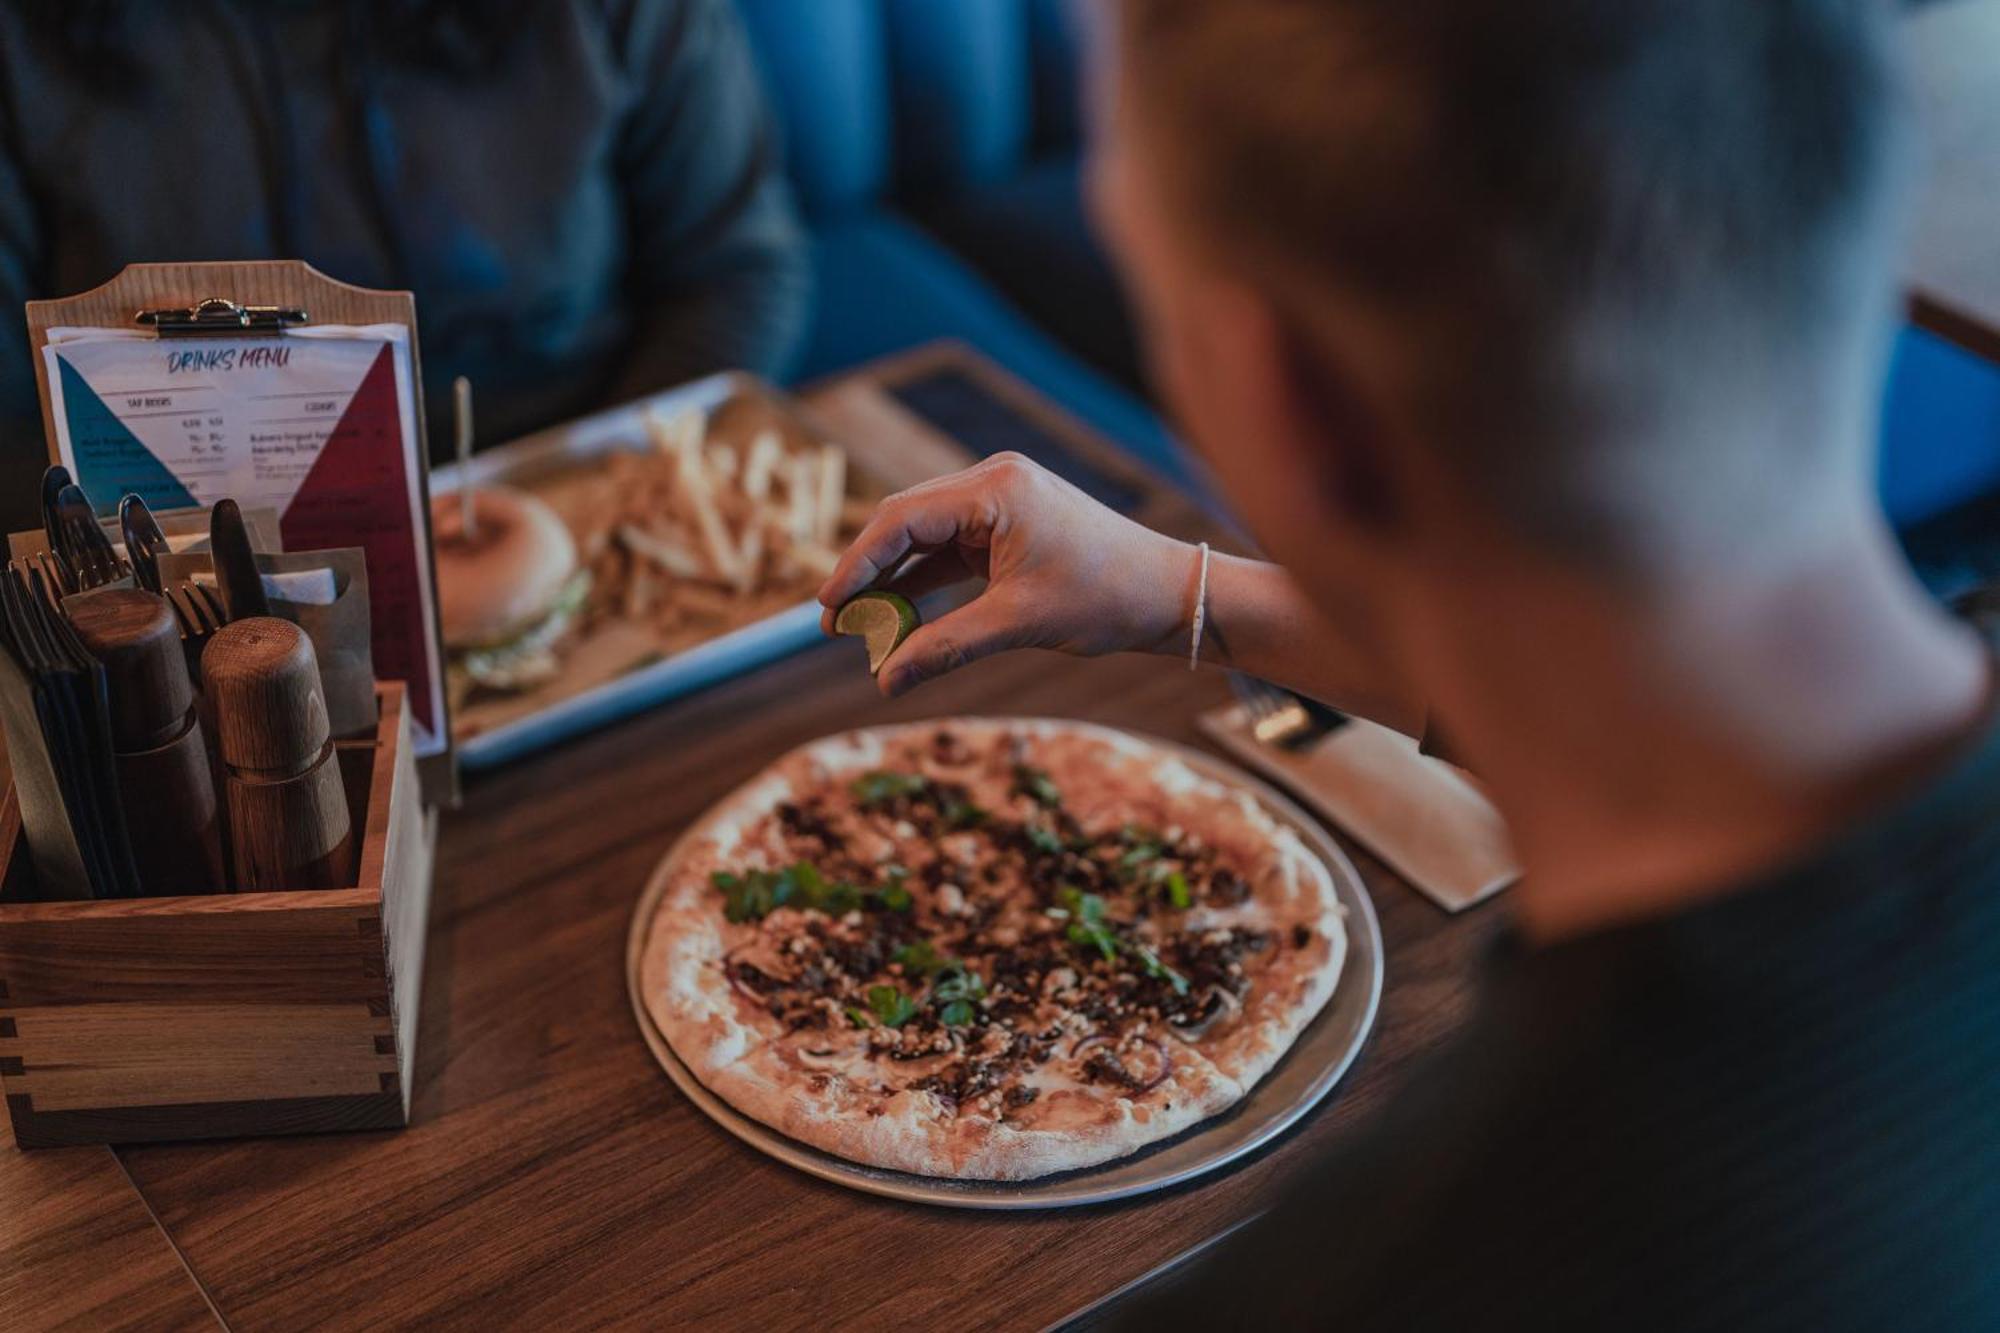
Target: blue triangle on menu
<point>110,459</point>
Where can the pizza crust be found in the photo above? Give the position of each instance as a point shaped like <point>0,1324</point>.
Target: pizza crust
<point>825,1089</point>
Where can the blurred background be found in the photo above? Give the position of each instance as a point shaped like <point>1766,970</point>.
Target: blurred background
<point>936,148</point>
<point>933,149</point>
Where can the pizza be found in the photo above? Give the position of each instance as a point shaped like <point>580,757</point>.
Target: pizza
<point>988,949</point>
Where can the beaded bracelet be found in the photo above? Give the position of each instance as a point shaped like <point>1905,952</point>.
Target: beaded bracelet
<point>1200,611</point>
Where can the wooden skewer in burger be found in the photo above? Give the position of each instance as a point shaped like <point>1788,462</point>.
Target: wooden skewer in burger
<point>509,585</point>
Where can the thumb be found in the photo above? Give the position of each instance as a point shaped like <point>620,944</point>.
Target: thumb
<point>982,627</point>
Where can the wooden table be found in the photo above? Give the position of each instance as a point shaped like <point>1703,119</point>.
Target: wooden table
<point>1953,267</point>
<point>553,1175</point>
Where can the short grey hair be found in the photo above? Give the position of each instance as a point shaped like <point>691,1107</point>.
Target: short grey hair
<point>1579,212</point>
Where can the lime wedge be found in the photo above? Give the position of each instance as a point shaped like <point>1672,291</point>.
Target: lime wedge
<point>882,619</point>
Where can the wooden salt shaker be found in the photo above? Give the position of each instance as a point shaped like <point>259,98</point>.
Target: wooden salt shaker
<point>165,782</point>
<point>289,826</point>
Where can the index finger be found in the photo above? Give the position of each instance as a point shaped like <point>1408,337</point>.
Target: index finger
<point>937,513</point>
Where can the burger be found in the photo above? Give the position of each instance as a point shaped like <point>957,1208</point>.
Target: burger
<point>509,587</point>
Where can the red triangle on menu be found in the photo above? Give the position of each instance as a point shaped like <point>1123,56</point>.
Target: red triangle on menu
<point>357,494</point>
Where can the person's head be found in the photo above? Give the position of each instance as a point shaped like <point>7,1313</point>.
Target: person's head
<point>1608,281</point>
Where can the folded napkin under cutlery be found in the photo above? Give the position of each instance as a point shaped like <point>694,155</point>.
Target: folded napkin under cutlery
<point>56,712</point>
<point>324,593</point>
<point>1424,818</point>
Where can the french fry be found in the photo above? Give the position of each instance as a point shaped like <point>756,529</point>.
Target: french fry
<point>804,488</point>
<point>669,555</point>
<point>639,593</point>
<point>708,523</point>
<point>722,462</point>
<point>660,430</point>
<point>750,560</point>
<point>832,490</point>
<point>681,436</point>
<point>699,533</point>
<point>758,466</point>
<point>765,454</point>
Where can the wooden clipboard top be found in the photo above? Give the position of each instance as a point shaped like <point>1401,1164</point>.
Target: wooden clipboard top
<point>254,282</point>
<point>285,282</point>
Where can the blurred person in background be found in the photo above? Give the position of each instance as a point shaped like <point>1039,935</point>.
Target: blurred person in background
<point>584,195</point>
<point>1540,343</point>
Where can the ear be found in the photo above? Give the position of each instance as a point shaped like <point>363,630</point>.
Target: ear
<point>1280,416</point>
<point>1332,417</point>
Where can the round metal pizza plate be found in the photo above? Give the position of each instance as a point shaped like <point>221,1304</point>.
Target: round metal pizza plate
<point>1306,1074</point>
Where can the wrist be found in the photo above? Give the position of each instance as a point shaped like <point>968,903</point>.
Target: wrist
<point>1175,570</point>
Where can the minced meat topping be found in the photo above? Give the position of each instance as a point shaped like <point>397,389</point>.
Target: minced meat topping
<point>985,932</point>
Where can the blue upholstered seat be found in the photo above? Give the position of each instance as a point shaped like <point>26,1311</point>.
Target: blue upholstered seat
<point>1940,428</point>
<point>935,146</point>
<point>885,285</point>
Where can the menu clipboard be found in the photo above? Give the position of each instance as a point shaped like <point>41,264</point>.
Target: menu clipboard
<point>272,383</point>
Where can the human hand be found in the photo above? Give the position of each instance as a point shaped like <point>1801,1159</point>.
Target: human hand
<point>1062,571</point>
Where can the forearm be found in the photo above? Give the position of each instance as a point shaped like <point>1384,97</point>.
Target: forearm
<point>1258,621</point>
<point>1065,573</point>
<point>747,318</point>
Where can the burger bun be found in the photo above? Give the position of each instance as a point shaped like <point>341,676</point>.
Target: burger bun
<point>505,578</point>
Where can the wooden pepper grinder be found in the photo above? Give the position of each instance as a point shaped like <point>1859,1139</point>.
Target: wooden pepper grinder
<point>164,779</point>
<point>289,826</point>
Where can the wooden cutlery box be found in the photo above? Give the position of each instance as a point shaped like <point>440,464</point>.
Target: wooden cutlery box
<point>137,1019</point>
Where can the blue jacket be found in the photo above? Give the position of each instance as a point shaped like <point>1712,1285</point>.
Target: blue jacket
<point>585,195</point>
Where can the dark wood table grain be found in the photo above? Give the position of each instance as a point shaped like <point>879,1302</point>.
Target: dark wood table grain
<point>80,1249</point>
<point>554,1176</point>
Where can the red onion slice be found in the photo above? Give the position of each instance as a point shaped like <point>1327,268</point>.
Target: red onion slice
<point>1194,1032</point>
<point>1166,1067</point>
<point>1090,1042</point>
<point>737,984</point>
<point>1160,1053</point>
<point>828,1059</point>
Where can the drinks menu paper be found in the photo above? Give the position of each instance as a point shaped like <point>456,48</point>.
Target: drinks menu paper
<point>317,423</point>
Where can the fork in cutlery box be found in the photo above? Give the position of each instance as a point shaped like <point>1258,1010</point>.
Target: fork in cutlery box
<point>224,1013</point>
